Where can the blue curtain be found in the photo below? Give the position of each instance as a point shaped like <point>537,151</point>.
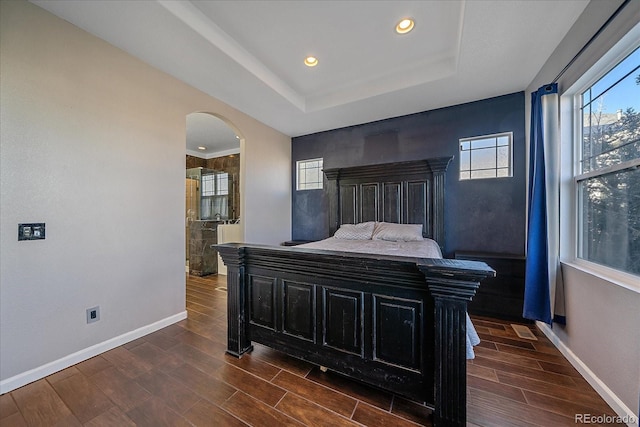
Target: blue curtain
<point>537,296</point>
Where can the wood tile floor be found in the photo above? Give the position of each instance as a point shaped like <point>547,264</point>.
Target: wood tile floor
<point>180,375</point>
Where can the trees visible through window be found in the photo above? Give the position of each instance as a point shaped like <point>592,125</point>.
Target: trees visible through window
<point>309,174</point>
<point>488,156</point>
<point>608,176</point>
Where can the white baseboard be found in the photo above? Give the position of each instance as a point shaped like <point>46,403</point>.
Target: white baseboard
<point>57,365</point>
<point>600,387</point>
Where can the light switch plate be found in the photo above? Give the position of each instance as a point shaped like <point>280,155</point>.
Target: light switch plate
<point>31,231</point>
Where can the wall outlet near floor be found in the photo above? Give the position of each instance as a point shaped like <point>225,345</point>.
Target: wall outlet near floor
<point>93,314</point>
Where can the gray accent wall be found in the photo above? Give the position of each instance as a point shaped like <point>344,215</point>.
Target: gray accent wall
<point>480,215</point>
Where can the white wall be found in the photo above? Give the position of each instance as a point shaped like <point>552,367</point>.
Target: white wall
<point>93,144</point>
<point>601,334</point>
<point>265,209</point>
<point>602,330</point>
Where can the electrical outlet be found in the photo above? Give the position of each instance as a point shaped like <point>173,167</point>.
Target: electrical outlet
<point>93,314</point>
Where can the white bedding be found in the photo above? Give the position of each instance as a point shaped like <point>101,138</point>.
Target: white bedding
<point>426,248</point>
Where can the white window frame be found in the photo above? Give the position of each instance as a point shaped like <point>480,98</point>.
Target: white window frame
<point>301,184</point>
<point>217,184</point>
<point>571,172</point>
<point>461,141</point>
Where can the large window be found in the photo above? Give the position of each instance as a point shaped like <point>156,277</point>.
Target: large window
<point>309,174</point>
<point>608,174</point>
<point>488,156</point>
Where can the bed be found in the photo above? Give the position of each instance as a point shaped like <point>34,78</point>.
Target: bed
<point>397,322</point>
<point>389,239</point>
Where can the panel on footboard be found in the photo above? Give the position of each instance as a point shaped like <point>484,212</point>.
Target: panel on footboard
<point>342,321</point>
<point>299,313</point>
<point>262,294</point>
<point>397,332</point>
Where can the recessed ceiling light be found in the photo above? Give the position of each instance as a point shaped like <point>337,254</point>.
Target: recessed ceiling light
<point>202,148</point>
<point>405,25</point>
<point>310,61</point>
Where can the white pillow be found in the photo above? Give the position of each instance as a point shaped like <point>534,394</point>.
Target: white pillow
<point>362,231</point>
<point>397,232</point>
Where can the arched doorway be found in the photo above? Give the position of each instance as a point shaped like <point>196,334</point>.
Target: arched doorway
<point>212,184</point>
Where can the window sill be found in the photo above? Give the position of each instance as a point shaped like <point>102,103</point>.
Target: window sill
<point>615,277</point>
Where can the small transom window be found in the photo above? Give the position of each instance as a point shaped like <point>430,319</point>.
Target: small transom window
<point>309,174</point>
<point>488,156</point>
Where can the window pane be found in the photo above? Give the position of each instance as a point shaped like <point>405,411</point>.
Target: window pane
<point>222,184</point>
<point>611,122</point>
<point>309,174</point>
<point>465,161</point>
<point>611,138</point>
<point>483,159</point>
<point>628,65</point>
<point>504,140</point>
<point>207,185</point>
<point>483,143</point>
<point>490,173</point>
<point>503,157</point>
<point>503,172</point>
<point>610,220</point>
<point>483,156</point>
<point>586,97</point>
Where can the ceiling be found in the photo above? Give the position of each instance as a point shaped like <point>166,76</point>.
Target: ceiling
<point>249,54</point>
<point>209,132</point>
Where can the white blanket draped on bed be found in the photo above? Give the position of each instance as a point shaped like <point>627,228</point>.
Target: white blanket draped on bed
<point>426,248</point>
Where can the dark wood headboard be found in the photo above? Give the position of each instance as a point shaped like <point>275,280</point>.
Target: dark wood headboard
<point>405,192</point>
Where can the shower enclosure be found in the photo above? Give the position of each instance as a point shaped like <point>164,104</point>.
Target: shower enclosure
<point>209,202</point>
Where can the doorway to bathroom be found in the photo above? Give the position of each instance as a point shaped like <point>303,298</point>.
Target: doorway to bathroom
<point>212,191</point>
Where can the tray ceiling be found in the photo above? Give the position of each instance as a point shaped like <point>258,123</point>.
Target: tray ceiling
<point>249,54</point>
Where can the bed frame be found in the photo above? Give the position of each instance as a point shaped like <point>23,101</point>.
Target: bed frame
<point>396,323</point>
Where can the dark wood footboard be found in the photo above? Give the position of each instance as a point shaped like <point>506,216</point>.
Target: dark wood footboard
<point>393,322</point>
